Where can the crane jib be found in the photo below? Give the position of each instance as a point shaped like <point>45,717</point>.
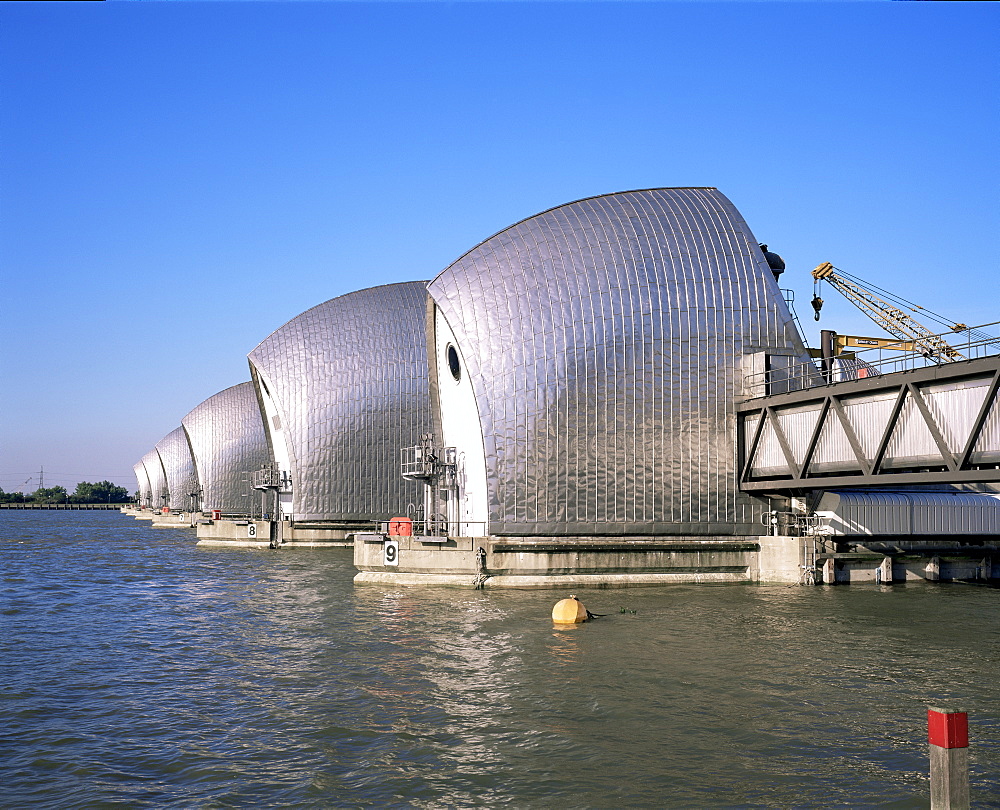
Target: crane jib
<point>896,322</point>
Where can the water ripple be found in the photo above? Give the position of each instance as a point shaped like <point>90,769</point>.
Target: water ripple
<point>139,669</point>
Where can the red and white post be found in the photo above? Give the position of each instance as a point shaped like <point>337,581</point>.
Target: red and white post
<point>948,738</point>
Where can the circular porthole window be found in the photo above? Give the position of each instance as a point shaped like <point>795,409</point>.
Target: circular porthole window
<point>453,365</point>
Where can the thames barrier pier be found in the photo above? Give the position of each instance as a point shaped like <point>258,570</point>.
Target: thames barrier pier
<point>612,392</point>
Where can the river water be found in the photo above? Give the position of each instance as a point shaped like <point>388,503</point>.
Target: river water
<point>139,670</point>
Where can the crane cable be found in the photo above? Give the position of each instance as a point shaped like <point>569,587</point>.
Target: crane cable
<point>899,300</point>
<point>905,303</point>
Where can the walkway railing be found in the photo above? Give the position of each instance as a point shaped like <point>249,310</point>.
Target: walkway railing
<point>972,343</point>
<point>439,528</point>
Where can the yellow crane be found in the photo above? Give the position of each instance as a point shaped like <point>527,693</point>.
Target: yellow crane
<point>891,318</point>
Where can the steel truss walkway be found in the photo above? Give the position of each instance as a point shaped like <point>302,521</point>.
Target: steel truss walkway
<point>939,424</point>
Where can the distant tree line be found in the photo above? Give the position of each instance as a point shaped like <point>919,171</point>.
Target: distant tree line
<point>86,492</point>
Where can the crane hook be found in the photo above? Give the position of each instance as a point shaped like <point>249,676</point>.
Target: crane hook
<point>817,304</point>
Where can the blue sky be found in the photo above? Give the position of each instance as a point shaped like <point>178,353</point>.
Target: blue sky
<point>178,180</point>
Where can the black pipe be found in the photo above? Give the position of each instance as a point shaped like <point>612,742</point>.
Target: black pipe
<point>827,337</point>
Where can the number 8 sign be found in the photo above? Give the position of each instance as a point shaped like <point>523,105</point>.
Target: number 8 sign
<point>390,552</point>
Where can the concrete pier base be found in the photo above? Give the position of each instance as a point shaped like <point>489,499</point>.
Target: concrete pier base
<point>540,582</point>
<point>246,532</point>
<point>586,562</point>
<point>781,559</point>
<point>907,564</point>
<point>253,533</point>
<point>175,520</point>
<point>610,562</point>
<point>605,562</point>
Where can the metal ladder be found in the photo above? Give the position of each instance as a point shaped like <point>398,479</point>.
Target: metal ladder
<point>808,576</point>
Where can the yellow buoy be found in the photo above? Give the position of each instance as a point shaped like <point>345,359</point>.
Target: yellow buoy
<point>569,611</point>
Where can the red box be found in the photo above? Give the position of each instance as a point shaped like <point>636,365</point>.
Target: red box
<point>401,527</point>
<point>947,729</point>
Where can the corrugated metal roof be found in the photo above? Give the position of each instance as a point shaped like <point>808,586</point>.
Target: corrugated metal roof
<point>871,513</point>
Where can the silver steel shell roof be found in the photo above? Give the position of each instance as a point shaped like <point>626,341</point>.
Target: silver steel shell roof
<point>143,481</point>
<point>226,436</point>
<point>349,379</point>
<point>178,466</point>
<point>157,478</point>
<point>604,340</point>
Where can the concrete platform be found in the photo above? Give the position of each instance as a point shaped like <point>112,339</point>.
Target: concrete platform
<point>946,564</point>
<point>540,582</point>
<point>179,520</point>
<point>547,562</point>
<point>246,532</point>
<point>612,562</point>
<point>607,562</point>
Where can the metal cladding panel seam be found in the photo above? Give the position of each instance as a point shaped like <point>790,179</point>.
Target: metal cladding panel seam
<point>157,478</point>
<point>178,466</point>
<point>604,340</point>
<point>874,513</point>
<point>955,514</point>
<point>227,440</point>
<point>349,379</point>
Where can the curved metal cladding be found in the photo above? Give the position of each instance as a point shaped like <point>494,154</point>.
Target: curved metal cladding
<point>178,466</point>
<point>157,478</point>
<point>604,341</point>
<point>143,480</point>
<point>226,436</point>
<point>344,386</point>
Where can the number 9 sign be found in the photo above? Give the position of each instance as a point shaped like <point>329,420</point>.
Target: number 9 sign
<point>390,552</point>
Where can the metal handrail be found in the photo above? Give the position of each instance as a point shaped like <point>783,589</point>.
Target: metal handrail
<point>440,527</point>
<point>867,363</point>
<point>796,524</point>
